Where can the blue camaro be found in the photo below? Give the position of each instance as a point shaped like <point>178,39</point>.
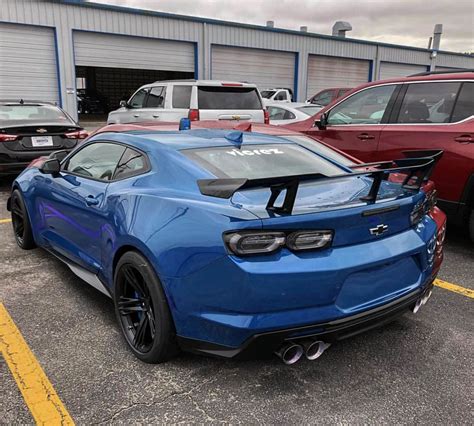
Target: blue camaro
<point>232,244</point>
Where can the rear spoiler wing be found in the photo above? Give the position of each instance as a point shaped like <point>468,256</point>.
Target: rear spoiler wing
<point>416,169</point>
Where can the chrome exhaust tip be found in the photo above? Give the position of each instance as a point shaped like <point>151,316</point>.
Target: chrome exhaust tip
<point>290,353</point>
<point>314,348</point>
<point>426,297</point>
<point>419,303</point>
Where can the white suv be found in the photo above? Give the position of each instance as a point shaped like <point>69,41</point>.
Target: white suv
<point>195,99</point>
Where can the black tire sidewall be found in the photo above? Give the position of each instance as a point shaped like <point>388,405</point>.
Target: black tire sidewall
<point>27,241</point>
<point>164,346</point>
<point>470,225</point>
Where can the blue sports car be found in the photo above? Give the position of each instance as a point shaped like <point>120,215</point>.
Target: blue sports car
<point>230,243</point>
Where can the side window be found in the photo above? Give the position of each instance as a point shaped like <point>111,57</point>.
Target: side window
<point>156,97</point>
<point>324,98</point>
<point>280,96</point>
<point>428,103</point>
<point>276,113</point>
<point>138,99</point>
<point>132,163</point>
<point>181,96</point>
<point>96,161</point>
<point>365,107</point>
<point>465,104</point>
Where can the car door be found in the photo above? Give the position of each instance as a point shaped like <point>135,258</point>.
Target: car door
<point>434,115</point>
<point>354,124</point>
<point>154,104</point>
<point>73,204</point>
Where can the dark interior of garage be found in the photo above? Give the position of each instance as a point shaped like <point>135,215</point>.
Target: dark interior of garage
<point>100,90</point>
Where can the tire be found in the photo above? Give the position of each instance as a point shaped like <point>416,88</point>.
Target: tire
<point>470,225</point>
<point>142,310</point>
<point>21,222</point>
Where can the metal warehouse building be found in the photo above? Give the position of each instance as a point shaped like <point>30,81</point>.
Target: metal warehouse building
<point>50,48</point>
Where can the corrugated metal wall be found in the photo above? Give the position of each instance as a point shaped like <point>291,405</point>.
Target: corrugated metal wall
<point>64,16</point>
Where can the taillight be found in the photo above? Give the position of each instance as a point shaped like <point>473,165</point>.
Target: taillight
<point>78,134</point>
<point>244,243</point>
<point>266,116</point>
<point>193,114</point>
<point>7,138</point>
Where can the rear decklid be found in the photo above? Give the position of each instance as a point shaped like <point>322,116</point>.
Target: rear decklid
<point>232,101</point>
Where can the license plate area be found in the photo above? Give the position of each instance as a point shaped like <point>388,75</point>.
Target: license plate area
<point>41,141</point>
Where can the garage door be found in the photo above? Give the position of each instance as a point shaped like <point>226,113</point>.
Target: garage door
<point>325,72</point>
<point>265,68</point>
<point>115,51</point>
<point>392,70</point>
<point>28,63</point>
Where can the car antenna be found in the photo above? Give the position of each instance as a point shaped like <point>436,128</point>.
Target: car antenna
<point>236,137</point>
<point>22,101</point>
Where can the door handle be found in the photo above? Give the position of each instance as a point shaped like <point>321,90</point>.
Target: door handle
<point>464,139</point>
<point>91,200</point>
<point>136,115</point>
<point>156,116</point>
<point>365,137</point>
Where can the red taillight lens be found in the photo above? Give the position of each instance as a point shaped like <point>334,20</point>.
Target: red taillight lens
<point>79,134</point>
<point>7,138</point>
<point>266,116</point>
<point>193,114</point>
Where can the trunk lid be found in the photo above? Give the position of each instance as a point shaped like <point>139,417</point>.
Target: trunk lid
<point>337,206</point>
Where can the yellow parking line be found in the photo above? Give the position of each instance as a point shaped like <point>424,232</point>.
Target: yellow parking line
<point>38,392</point>
<point>455,288</point>
<point>5,220</point>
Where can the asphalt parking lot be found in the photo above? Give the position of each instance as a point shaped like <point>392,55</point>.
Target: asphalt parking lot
<point>415,370</point>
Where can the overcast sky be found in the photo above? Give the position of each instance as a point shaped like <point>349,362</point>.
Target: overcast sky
<point>408,22</point>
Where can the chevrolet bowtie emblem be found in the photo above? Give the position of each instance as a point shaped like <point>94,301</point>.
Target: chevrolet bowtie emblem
<point>41,130</point>
<point>379,229</point>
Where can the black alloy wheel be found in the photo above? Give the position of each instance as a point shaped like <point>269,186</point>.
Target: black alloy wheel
<point>142,309</point>
<point>21,222</point>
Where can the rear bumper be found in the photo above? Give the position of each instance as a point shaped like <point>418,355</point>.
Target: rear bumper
<point>264,344</point>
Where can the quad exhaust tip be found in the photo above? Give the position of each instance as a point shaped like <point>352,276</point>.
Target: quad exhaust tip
<point>422,301</point>
<point>291,352</point>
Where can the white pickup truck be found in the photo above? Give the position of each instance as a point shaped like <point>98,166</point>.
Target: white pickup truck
<point>277,95</point>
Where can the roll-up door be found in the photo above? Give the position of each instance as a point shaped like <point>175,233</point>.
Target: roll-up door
<point>28,67</point>
<point>266,68</point>
<point>392,70</point>
<point>326,72</point>
<point>117,51</point>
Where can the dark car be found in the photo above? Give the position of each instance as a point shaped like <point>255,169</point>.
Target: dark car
<point>91,102</point>
<point>379,121</point>
<point>32,129</point>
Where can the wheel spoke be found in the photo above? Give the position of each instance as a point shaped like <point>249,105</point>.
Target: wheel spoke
<point>151,323</point>
<point>133,280</point>
<point>129,305</point>
<point>139,338</point>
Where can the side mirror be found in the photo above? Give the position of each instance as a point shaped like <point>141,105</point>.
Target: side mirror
<point>58,155</point>
<point>51,167</point>
<point>322,122</point>
<point>124,104</point>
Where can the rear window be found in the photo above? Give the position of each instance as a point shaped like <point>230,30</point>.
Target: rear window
<point>319,148</point>
<point>261,161</point>
<point>215,97</point>
<point>28,114</point>
<point>267,94</point>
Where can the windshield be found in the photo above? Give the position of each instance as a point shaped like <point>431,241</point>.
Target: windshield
<point>30,114</point>
<point>236,98</point>
<point>321,149</point>
<point>267,94</point>
<point>261,161</point>
<point>309,109</point>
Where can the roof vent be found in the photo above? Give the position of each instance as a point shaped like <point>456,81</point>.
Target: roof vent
<point>270,24</point>
<point>340,27</point>
<point>304,29</point>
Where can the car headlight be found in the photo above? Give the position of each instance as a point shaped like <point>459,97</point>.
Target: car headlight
<point>244,243</point>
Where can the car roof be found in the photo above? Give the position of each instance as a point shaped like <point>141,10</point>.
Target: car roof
<point>153,140</point>
<point>216,83</point>
<point>26,102</point>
